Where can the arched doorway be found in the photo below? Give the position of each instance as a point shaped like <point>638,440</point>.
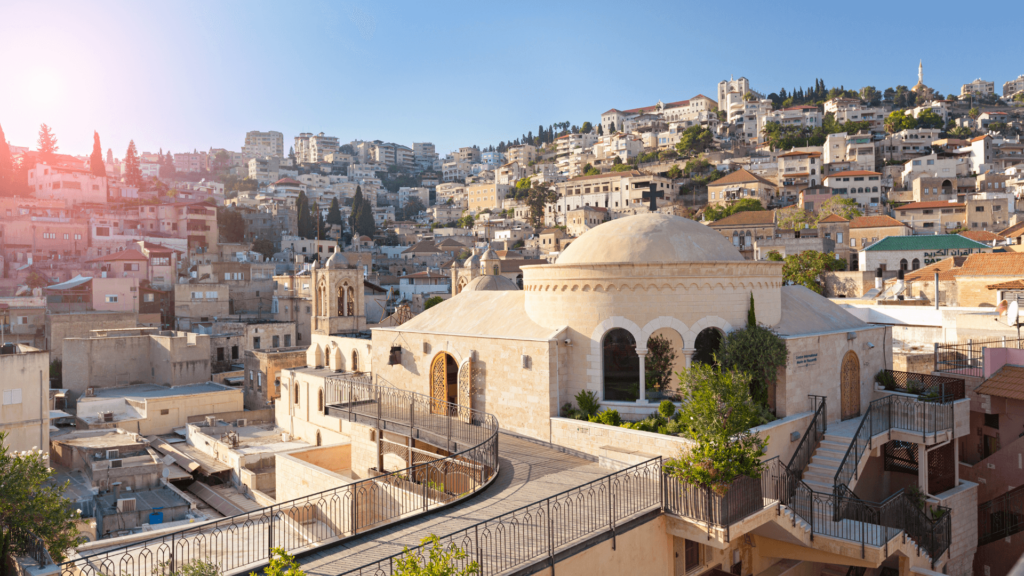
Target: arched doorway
<point>706,346</point>
<point>621,366</point>
<point>849,386</point>
<point>319,441</point>
<point>444,383</point>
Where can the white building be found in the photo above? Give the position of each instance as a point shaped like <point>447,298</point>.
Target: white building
<point>71,184</point>
<point>314,148</point>
<point>407,193</point>
<point>856,149</point>
<point>979,86</point>
<point>262,144</point>
<point>1011,87</point>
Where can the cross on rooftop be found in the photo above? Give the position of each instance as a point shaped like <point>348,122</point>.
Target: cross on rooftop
<point>652,195</point>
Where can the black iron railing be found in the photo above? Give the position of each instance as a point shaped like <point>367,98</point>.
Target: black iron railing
<point>928,387</point>
<point>967,358</point>
<point>1001,517</point>
<point>247,539</point>
<point>537,532</point>
<point>893,413</point>
<point>744,497</point>
<point>812,437</point>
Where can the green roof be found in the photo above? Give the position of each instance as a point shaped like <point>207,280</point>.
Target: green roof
<point>936,242</point>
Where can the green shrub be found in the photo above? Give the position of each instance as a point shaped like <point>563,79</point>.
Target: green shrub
<point>667,408</point>
<point>609,417</point>
<point>588,403</point>
<point>886,379</point>
<point>569,411</point>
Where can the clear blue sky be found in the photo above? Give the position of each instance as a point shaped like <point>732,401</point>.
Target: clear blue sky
<point>193,74</point>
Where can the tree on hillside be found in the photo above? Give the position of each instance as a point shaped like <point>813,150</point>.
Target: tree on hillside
<point>305,227</point>
<point>132,169</point>
<point>96,165</point>
<point>694,140</point>
<point>361,221</point>
<point>929,119</point>
<point>47,144</point>
<point>230,225</point>
<point>806,268</point>
<point>334,212</point>
<point>33,506</point>
<point>717,212</point>
<point>898,121</point>
<point>264,247</point>
<point>674,172</point>
<point>411,208</point>
<point>539,197</point>
<point>973,113</point>
<point>6,167</point>
<point>960,132</point>
<point>844,207</point>
<point>586,128</point>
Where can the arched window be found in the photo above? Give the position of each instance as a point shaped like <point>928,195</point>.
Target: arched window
<point>519,281</point>
<point>318,440</point>
<point>903,264</point>
<point>355,361</point>
<point>916,264</point>
<point>320,400</point>
<point>351,303</point>
<point>496,271</point>
<point>341,301</point>
<point>706,346</point>
<point>874,188</point>
<point>295,390</point>
<point>621,366</point>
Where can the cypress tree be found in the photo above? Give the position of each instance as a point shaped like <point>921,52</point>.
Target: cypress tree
<point>96,160</point>
<point>304,226</point>
<point>334,212</point>
<point>132,170</point>
<point>367,226</point>
<point>6,166</point>
<point>751,316</point>
<point>357,204</point>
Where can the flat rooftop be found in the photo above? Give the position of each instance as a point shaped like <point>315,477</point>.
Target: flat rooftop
<point>145,500</point>
<point>157,391</point>
<point>106,439</point>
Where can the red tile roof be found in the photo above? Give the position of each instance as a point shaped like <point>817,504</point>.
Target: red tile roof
<point>994,264</point>
<point>130,254</point>
<point>832,218</point>
<point>854,173</point>
<point>982,236</point>
<point>288,181</point>
<point>798,153</point>
<point>874,222</point>
<point>947,268</point>
<point>741,176</point>
<point>931,204</point>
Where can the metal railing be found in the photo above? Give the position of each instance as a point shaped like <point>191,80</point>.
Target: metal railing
<point>811,438</point>
<point>928,387</point>
<point>892,413</point>
<point>247,539</point>
<point>967,358</point>
<point>537,532</point>
<point>1001,516</point>
<point>744,497</point>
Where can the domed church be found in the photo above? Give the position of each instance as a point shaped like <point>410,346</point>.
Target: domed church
<point>584,323</point>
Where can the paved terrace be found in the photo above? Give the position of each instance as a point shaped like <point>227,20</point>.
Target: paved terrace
<point>530,471</point>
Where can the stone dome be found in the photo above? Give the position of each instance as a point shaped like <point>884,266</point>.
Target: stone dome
<point>648,238</point>
<point>490,282</point>
<point>473,261</point>
<point>336,261</point>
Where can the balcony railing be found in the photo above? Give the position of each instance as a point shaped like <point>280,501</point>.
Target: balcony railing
<point>926,386</point>
<point>1001,517</point>
<point>967,358</point>
<point>337,513</point>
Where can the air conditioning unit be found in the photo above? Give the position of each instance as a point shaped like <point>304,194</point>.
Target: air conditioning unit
<point>211,421</point>
<point>126,505</point>
<point>107,416</point>
<point>112,454</point>
<point>240,423</point>
<point>116,463</point>
<point>90,392</point>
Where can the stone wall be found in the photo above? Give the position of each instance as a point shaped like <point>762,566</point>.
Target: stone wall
<point>963,503</point>
<point>815,366</point>
<point>973,291</point>
<point>79,325</point>
<point>297,478</point>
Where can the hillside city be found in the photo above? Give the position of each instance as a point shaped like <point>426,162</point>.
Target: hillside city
<point>759,333</point>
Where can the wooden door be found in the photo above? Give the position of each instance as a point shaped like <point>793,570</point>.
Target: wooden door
<point>438,384</point>
<point>465,390</point>
<point>850,386</point>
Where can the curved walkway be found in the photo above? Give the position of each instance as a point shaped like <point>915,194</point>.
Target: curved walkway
<point>530,471</point>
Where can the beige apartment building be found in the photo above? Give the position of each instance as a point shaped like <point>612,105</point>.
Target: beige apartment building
<point>799,170</point>
<point>935,217</point>
<point>739,185</point>
<point>25,385</point>
<point>486,195</point>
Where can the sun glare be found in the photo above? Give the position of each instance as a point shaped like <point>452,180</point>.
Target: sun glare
<point>46,87</point>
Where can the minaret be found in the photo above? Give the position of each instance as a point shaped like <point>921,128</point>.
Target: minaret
<point>920,72</point>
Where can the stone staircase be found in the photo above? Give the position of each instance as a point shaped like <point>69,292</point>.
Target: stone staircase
<point>820,474</point>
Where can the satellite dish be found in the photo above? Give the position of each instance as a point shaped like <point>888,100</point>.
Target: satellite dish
<point>1012,313</point>
<point>1002,307</point>
<point>166,473</point>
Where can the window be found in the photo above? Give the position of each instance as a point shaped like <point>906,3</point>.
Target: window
<point>220,354</point>
<point>12,396</point>
<point>148,297</point>
<point>621,366</point>
<point>131,267</point>
<point>256,342</point>
<point>234,352</point>
<point>276,341</point>
<point>212,295</point>
<point>287,340</point>
<point>296,393</point>
<point>110,298</point>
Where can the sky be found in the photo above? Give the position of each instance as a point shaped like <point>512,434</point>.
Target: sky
<point>182,74</point>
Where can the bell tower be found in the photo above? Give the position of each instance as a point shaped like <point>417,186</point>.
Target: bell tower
<point>338,304</point>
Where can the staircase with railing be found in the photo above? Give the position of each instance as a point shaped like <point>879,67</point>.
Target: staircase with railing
<point>829,507</point>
